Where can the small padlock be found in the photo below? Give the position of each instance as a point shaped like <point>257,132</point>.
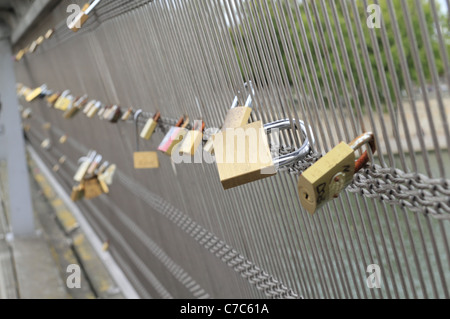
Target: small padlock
<point>144,160</point>
<point>66,103</point>
<point>238,116</point>
<point>108,175</point>
<point>88,106</point>
<point>332,173</point>
<point>20,55</point>
<point>33,47</point>
<point>49,33</point>
<point>115,114</point>
<point>61,99</point>
<point>126,116</point>
<point>102,111</point>
<point>85,163</point>
<point>193,139</point>
<point>40,40</point>
<point>243,154</point>
<point>150,127</point>
<point>94,109</point>
<point>82,17</point>
<point>94,165</point>
<point>52,98</point>
<point>174,136</point>
<point>35,93</point>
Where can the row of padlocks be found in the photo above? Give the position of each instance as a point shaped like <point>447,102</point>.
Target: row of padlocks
<point>242,151</point>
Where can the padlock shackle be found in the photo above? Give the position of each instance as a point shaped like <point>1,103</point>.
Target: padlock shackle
<point>136,123</point>
<point>298,154</point>
<point>357,143</point>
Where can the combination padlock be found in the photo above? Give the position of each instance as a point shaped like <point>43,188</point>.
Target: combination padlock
<point>243,154</point>
<point>332,173</point>
<point>193,139</point>
<point>238,116</point>
<point>174,136</point>
<point>82,17</point>
<point>150,127</point>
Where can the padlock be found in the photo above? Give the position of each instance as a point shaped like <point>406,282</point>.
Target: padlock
<point>108,175</point>
<point>144,160</point>
<point>92,188</point>
<point>94,165</point>
<point>35,93</point>
<point>174,136</point>
<point>61,99</point>
<point>33,47</point>
<point>62,160</point>
<point>76,106</point>
<point>63,139</point>
<point>88,106</point>
<point>243,154</point>
<point>49,33</point>
<point>52,98</point>
<point>85,163</point>
<point>20,55</point>
<point>126,116</point>
<point>238,116</point>
<point>66,103</point>
<point>40,40</point>
<point>104,109</point>
<point>82,17</point>
<point>193,139</point>
<point>150,127</point>
<point>94,109</point>
<point>114,114</point>
<point>332,173</point>
<point>46,144</point>
<point>26,114</point>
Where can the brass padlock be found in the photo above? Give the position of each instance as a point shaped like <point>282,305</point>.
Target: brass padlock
<point>75,107</point>
<point>332,173</point>
<point>61,99</point>
<point>150,127</point>
<point>144,160</point>
<point>108,175</point>
<point>35,93</point>
<point>193,139</point>
<point>88,106</point>
<point>92,188</point>
<point>174,136</point>
<point>20,55</point>
<point>77,193</point>
<point>52,98</point>
<point>40,40</point>
<point>49,33</point>
<point>238,116</point>
<point>243,154</point>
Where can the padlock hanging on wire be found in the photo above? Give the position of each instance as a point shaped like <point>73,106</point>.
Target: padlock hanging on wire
<point>143,160</point>
<point>330,175</point>
<point>243,154</point>
<point>174,136</point>
<point>237,116</point>
<point>193,139</point>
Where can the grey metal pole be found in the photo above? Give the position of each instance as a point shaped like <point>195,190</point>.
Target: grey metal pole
<point>21,209</point>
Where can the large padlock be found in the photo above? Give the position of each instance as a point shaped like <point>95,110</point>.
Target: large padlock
<point>150,127</point>
<point>332,173</point>
<point>238,116</point>
<point>174,136</point>
<point>193,139</point>
<point>243,154</point>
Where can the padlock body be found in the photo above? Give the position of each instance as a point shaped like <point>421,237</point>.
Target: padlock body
<point>327,177</point>
<point>52,98</point>
<point>145,160</point>
<point>172,138</point>
<point>149,129</point>
<point>33,95</point>
<point>250,159</point>
<point>92,189</point>
<point>82,170</point>
<point>191,142</point>
<point>236,117</point>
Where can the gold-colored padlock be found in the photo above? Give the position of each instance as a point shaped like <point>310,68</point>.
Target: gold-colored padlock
<point>73,109</point>
<point>20,55</point>
<point>193,139</point>
<point>63,139</point>
<point>108,175</point>
<point>52,98</point>
<point>238,116</point>
<point>332,173</point>
<point>84,166</point>
<point>49,33</point>
<point>61,99</point>
<point>40,40</point>
<point>94,109</point>
<point>92,188</point>
<point>35,93</point>
<point>243,154</point>
<point>150,127</point>
<point>126,116</point>
<point>77,193</point>
<point>145,160</point>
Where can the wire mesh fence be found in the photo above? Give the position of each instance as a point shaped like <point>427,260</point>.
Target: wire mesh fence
<point>343,67</point>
